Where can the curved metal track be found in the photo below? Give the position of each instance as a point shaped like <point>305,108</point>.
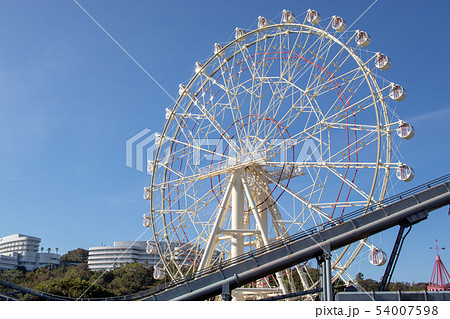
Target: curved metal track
<point>411,206</point>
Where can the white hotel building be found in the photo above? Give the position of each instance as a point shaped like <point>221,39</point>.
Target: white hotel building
<point>121,253</point>
<point>23,250</point>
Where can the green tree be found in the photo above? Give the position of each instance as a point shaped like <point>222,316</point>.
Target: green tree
<point>73,288</point>
<point>130,278</point>
<point>359,278</point>
<point>77,255</point>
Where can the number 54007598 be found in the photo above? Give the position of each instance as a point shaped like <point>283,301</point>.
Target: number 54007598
<point>407,310</point>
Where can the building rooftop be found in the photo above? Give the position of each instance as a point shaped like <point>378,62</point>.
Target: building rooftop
<point>18,236</point>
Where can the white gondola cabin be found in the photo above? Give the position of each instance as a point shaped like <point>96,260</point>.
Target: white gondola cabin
<point>405,173</point>
<point>218,49</point>
<point>382,62</point>
<point>339,24</point>
<point>146,222</point>
<point>151,248</point>
<point>198,67</point>
<point>152,166</point>
<point>159,273</point>
<point>181,89</point>
<point>239,33</point>
<point>262,22</point>
<point>405,131</point>
<point>397,93</point>
<point>147,194</point>
<point>158,139</point>
<point>287,16</point>
<point>168,113</point>
<point>377,257</point>
<point>313,17</point>
<point>362,39</point>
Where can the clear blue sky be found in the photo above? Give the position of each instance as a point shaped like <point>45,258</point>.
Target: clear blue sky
<point>70,98</point>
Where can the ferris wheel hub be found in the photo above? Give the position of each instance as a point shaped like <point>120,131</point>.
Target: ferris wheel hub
<point>233,164</point>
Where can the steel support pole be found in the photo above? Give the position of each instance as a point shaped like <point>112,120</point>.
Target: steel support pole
<point>262,228</point>
<point>385,281</point>
<point>326,282</point>
<point>226,293</point>
<point>237,215</point>
<point>212,240</point>
<point>237,220</point>
<point>328,278</point>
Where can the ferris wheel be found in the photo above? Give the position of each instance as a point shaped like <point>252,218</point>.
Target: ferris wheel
<point>285,128</point>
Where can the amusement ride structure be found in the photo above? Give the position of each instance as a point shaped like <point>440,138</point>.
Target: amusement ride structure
<point>284,128</point>
<point>440,278</point>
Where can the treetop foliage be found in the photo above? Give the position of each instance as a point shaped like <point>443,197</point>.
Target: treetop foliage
<point>74,281</point>
<point>77,255</point>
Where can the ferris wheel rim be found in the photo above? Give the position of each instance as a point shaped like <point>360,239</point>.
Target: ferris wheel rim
<point>323,33</point>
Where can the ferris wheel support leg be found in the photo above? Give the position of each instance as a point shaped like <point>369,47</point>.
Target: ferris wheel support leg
<point>237,215</point>
<point>261,227</point>
<point>237,221</point>
<point>325,275</point>
<point>212,240</point>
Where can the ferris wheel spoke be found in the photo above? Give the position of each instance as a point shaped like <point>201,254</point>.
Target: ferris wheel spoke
<point>316,70</point>
<point>211,193</point>
<point>352,185</point>
<point>330,63</point>
<point>275,92</point>
<point>292,193</point>
<point>335,84</point>
<point>234,105</point>
<point>297,112</point>
<point>342,77</point>
<point>353,127</point>
<point>323,125</point>
<point>312,132</point>
<point>307,49</point>
<point>198,202</point>
<point>308,132</point>
<point>281,226</point>
<point>342,101</point>
<point>264,119</point>
<point>281,127</point>
<point>278,91</point>
<point>347,152</point>
<point>215,124</point>
<point>255,68</point>
<point>188,216</point>
<point>269,204</point>
<point>291,58</point>
<point>201,201</point>
<point>331,75</point>
<point>312,66</point>
<point>194,146</point>
<point>342,268</point>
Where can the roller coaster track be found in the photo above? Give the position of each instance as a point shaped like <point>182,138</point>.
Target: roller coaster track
<point>408,207</point>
